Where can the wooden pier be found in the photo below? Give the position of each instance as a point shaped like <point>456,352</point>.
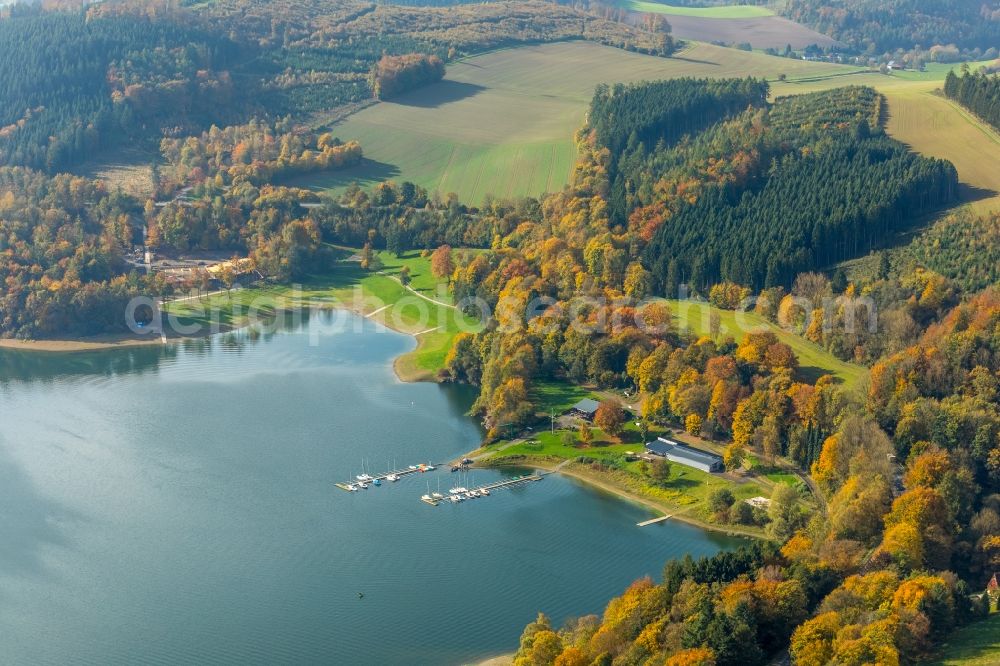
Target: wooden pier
<point>399,473</point>
<point>498,485</point>
<point>652,521</point>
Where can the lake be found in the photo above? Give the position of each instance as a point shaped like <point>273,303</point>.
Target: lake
<point>177,504</point>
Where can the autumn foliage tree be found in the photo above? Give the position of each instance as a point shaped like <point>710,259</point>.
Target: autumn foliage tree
<point>610,417</point>
<point>442,264</point>
<point>393,75</point>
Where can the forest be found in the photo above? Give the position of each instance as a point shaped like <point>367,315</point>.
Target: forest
<point>75,81</point>
<point>978,92</point>
<point>256,152</point>
<point>881,26</point>
<point>802,184</point>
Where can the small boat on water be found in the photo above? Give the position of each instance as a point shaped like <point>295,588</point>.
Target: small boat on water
<point>413,466</point>
<point>454,468</point>
<point>392,477</point>
<point>351,488</point>
<point>363,478</point>
<point>378,482</point>
<point>437,495</point>
<point>455,499</point>
<point>485,491</point>
<point>426,497</point>
<point>363,486</point>
<point>429,467</point>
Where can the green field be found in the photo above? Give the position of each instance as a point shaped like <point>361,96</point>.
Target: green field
<point>375,295</point>
<point>814,361</point>
<point>720,12</point>
<point>502,123</point>
<point>975,645</point>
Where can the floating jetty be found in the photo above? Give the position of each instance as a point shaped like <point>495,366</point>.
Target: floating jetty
<point>479,491</point>
<point>394,475</point>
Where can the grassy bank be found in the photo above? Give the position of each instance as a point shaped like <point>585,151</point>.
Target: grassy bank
<point>378,296</point>
<point>683,495</point>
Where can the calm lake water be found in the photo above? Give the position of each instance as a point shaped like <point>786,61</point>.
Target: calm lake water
<point>177,505</point>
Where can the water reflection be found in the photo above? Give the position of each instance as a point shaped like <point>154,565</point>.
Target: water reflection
<point>35,366</point>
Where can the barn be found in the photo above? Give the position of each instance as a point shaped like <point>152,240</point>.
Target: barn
<point>683,454</point>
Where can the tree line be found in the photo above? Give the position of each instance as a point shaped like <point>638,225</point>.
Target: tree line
<point>979,92</point>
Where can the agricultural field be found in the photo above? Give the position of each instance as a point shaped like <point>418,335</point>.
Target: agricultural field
<point>732,24</point>
<point>760,32</point>
<point>717,12</point>
<point>502,123</point>
<point>814,361</point>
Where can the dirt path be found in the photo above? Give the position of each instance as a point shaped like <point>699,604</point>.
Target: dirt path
<point>415,292</point>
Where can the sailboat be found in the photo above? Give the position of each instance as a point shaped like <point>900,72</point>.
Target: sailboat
<point>364,477</point>
<point>428,495</point>
<point>438,495</point>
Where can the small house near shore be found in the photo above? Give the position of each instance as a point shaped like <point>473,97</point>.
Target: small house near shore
<point>683,454</point>
<point>586,408</point>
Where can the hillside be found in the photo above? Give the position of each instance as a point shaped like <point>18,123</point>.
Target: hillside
<point>502,123</point>
<point>880,26</point>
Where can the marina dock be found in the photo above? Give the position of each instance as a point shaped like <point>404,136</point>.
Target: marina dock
<point>481,491</point>
<point>394,475</point>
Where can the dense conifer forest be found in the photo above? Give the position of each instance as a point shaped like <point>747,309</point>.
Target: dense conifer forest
<point>793,187</point>
<point>978,92</point>
<point>74,82</point>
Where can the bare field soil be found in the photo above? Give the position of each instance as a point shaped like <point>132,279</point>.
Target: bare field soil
<point>761,33</point>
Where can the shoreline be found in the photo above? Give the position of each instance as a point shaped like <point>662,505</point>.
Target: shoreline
<point>629,496</point>
<point>112,341</point>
